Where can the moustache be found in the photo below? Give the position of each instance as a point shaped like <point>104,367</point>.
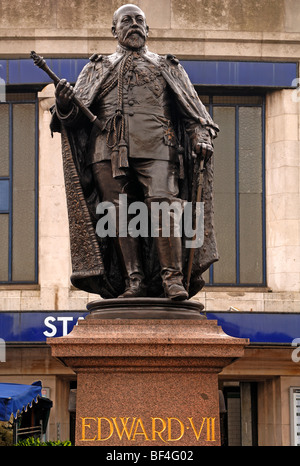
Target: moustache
<point>135,31</point>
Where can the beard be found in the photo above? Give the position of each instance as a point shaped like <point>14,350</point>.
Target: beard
<point>134,39</point>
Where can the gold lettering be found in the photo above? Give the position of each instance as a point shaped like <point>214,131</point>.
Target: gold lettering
<point>170,429</point>
<point>131,427</point>
<point>159,432</point>
<point>197,435</point>
<point>111,428</point>
<point>210,435</point>
<point>84,426</point>
<point>124,424</point>
<point>139,423</point>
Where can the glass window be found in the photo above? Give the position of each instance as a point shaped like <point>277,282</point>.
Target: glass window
<point>18,190</point>
<point>239,191</point>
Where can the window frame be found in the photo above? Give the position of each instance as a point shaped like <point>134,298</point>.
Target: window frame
<point>11,101</point>
<point>210,105</point>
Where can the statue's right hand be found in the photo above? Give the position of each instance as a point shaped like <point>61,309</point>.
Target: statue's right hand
<point>64,93</point>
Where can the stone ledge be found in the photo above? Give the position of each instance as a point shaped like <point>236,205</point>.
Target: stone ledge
<point>241,299</point>
<point>147,346</point>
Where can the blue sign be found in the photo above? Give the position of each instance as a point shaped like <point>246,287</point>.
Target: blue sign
<point>239,73</point>
<point>37,326</point>
<point>201,72</point>
<point>259,327</point>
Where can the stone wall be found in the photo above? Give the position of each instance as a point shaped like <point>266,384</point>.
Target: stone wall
<point>282,190</point>
<point>242,29</point>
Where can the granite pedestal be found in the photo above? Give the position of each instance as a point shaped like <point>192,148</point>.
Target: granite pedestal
<point>147,373</point>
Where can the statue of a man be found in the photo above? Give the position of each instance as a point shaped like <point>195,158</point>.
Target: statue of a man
<point>152,121</point>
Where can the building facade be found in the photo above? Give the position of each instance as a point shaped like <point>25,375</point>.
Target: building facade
<point>243,59</point>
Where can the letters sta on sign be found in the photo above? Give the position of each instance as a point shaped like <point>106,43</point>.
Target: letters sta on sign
<point>67,324</point>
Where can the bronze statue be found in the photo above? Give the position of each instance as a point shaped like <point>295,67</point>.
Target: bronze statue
<point>152,132</point>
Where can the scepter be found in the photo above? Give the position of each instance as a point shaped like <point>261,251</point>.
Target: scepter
<point>41,63</point>
<point>199,174</point>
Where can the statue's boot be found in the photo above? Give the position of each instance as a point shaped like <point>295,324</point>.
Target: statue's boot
<point>130,255</point>
<point>170,258</point>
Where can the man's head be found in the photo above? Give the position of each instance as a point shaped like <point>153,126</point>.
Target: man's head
<point>130,27</point>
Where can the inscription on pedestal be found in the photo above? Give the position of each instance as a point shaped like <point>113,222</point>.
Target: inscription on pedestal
<point>155,429</point>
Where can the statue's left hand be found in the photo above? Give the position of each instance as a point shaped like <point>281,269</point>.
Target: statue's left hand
<point>204,150</point>
<point>202,144</point>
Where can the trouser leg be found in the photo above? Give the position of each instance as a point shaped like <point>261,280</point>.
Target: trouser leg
<point>130,257</point>
<point>169,250</point>
<point>169,254</point>
<point>159,180</point>
<point>128,248</point>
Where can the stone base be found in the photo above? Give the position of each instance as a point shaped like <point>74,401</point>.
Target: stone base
<point>150,382</point>
<point>145,308</point>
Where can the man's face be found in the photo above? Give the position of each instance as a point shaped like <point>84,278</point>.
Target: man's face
<point>130,28</point>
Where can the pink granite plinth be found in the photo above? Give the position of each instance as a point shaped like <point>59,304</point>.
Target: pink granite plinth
<point>150,382</point>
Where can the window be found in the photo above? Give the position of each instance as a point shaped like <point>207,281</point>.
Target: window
<point>18,189</point>
<point>239,190</point>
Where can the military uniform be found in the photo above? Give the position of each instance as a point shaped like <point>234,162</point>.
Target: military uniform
<point>147,110</point>
<point>149,136</point>
<point>136,108</point>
